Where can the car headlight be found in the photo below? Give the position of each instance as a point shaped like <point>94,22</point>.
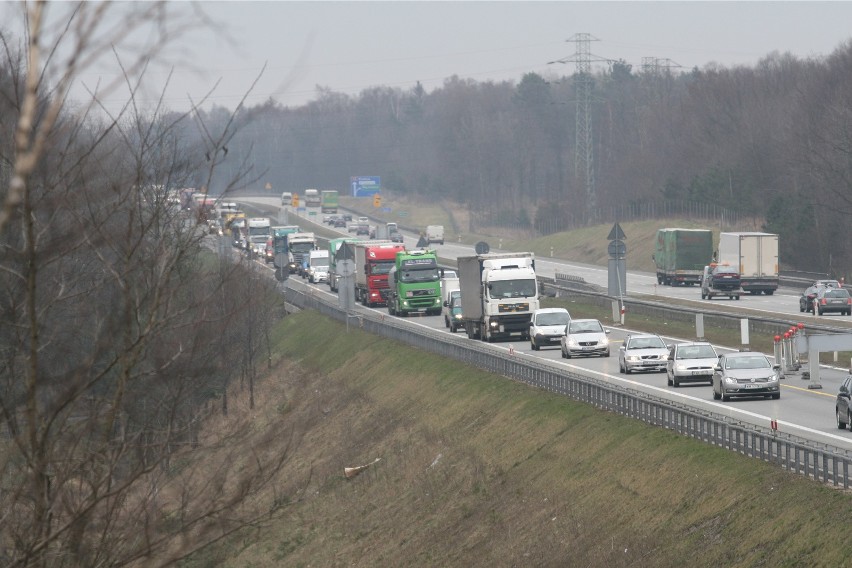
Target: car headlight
<point>458,316</point>
<point>572,342</point>
<point>680,367</point>
<point>773,378</point>
<point>494,324</point>
<point>604,341</point>
<point>730,381</point>
<point>633,358</point>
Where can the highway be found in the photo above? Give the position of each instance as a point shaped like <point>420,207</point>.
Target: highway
<point>807,413</point>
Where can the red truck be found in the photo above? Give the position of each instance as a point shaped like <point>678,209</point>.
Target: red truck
<point>373,261</point>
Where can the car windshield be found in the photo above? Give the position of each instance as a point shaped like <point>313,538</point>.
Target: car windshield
<point>382,267</point>
<point>426,274</point>
<point>553,318</point>
<point>725,270</point>
<point>696,352</point>
<point>646,343</point>
<point>585,327</point>
<point>513,289</point>
<point>751,362</point>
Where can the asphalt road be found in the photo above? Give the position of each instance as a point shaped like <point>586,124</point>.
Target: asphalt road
<point>804,412</point>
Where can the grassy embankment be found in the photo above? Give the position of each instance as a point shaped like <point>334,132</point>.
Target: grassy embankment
<point>478,470</point>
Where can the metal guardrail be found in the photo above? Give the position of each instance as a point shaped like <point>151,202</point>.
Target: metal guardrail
<point>823,463</point>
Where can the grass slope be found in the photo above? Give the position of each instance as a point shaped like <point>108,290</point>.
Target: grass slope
<point>478,470</point>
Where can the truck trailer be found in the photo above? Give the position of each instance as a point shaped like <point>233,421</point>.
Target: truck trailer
<point>414,284</point>
<point>755,255</point>
<point>681,255</point>
<point>499,293</point>
<point>373,261</point>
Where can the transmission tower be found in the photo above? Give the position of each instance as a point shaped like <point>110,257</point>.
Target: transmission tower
<point>584,147</point>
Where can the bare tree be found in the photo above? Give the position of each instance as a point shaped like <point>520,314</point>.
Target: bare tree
<point>111,306</point>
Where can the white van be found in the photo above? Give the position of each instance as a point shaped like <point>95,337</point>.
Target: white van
<point>287,198</point>
<point>435,234</point>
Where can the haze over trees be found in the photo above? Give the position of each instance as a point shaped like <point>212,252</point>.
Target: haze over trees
<point>770,142</point>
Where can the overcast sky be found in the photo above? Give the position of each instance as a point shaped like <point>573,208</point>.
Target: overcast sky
<point>349,46</point>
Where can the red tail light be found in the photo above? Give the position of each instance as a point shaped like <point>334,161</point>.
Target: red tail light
<point>823,302</point>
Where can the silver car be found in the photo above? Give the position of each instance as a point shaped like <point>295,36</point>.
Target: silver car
<point>643,352</point>
<point>745,374</point>
<point>691,362</point>
<point>585,337</point>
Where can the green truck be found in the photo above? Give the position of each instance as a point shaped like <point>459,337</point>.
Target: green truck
<point>279,244</point>
<point>681,255</point>
<point>414,284</point>
<point>328,201</point>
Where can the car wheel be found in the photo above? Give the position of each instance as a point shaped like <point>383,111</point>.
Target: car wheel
<point>716,395</point>
<point>675,382</point>
<point>776,396</point>
<point>564,356</point>
<point>534,346</point>
<point>841,420</point>
<point>620,366</point>
<point>668,380</point>
<point>446,322</point>
<point>722,395</point>
<point>703,296</point>
<point>801,309</point>
<point>606,354</point>
<point>626,369</point>
<point>820,311</point>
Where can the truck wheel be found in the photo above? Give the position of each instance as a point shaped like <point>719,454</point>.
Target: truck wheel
<point>737,297</point>
<point>703,296</point>
<point>769,292</point>
<point>446,322</point>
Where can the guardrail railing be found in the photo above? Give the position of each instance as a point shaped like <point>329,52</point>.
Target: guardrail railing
<point>816,461</point>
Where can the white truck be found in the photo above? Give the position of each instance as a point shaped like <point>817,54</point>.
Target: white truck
<point>317,266</point>
<point>755,255</point>
<point>499,293</point>
<point>435,234</point>
<point>298,247</point>
<point>258,231</point>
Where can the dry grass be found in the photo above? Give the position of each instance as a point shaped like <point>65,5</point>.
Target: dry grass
<point>478,470</point>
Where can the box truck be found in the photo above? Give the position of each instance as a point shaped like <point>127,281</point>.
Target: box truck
<point>755,255</point>
<point>499,293</point>
<point>681,255</point>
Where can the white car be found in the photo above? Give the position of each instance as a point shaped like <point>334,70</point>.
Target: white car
<point>547,326</point>
<point>692,361</point>
<point>643,352</point>
<point>585,337</point>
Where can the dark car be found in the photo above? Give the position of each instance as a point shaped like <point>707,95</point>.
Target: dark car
<point>347,217</point>
<point>745,373</point>
<point>806,300</point>
<point>832,300</point>
<point>843,404</point>
<point>339,222</point>
<point>724,277</point>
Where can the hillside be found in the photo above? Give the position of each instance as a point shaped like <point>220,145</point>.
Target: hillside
<point>477,470</point>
